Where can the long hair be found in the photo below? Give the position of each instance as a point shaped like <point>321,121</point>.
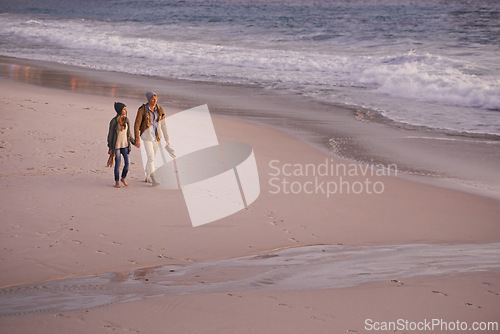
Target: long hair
<point>122,119</point>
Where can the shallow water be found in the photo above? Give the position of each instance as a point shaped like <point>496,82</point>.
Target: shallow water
<point>425,63</point>
<point>470,160</point>
<point>304,267</point>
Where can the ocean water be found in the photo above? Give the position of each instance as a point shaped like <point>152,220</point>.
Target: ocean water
<point>425,63</point>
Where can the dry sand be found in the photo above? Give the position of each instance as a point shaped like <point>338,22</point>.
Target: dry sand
<point>62,217</point>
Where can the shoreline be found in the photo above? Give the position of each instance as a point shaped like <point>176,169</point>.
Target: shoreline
<point>289,269</point>
<point>468,163</point>
<point>62,217</point>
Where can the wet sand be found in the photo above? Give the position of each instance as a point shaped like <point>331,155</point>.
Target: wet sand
<point>464,161</point>
<point>66,233</point>
<point>312,267</point>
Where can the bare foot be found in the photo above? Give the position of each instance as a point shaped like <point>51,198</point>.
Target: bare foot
<point>153,179</point>
<point>117,184</point>
<point>124,182</point>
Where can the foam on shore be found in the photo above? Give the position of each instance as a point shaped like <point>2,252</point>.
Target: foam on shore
<point>465,162</point>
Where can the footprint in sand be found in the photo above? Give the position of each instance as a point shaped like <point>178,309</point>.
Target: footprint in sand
<point>233,295</point>
<point>163,256</point>
<point>273,219</point>
<point>490,291</point>
<point>439,292</point>
<point>472,305</point>
<point>276,221</point>
<point>399,283</point>
<point>284,305</point>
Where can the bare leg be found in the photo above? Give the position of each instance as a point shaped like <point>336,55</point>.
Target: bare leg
<point>154,181</point>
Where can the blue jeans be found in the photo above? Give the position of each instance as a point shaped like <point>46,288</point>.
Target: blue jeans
<point>118,160</point>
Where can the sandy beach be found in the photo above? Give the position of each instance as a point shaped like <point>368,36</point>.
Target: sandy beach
<point>61,219</point>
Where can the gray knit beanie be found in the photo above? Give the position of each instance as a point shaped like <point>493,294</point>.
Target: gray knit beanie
<point>149,95</point>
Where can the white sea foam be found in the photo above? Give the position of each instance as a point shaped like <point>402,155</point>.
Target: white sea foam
<point>431,87</point>
<point>433,79</point>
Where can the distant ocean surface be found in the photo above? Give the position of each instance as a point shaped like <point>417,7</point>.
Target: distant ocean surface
<point>432,63</point>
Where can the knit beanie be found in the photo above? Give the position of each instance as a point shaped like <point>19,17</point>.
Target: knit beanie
<point>149,95</point>
<point>119,107</point>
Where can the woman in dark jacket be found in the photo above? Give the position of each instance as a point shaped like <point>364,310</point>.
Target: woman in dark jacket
<point>119,141</point>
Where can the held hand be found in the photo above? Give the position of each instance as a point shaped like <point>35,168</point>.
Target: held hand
<point>170,150</point>
<point>138,144</point>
